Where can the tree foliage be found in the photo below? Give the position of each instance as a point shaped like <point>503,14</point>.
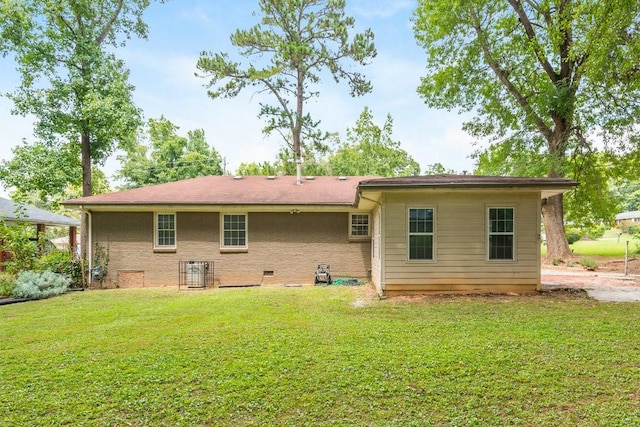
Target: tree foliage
<point>628,193</point>
<point>549,81</point>
<point>41,169</point>
<point>44,175</point>
<point>295,41</point>
<point>314,164</point>
<point>168,157</point>
<point>438,169</point>
<point>370,150</point>
<point>70,80</point>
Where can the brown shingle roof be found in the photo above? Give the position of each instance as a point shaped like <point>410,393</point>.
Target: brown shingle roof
<point>228,190</point>
<point>321,190</point>
<point>468,181</point>
<point>547,187</point>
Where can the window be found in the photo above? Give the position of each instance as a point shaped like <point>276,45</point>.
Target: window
<point>165,230</point>
<point>420,234</point>
<point>234,231</point>
<point>359,226</point>
<point>501,233</point>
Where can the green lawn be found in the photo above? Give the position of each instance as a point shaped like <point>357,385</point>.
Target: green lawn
<point>317,356</point>
<point>611,247</point>
<point>608,246</point>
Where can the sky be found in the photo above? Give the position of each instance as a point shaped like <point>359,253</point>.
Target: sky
<point>163,71</point>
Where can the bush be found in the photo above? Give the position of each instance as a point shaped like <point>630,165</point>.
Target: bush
<point>588,263</point>
<point>43,284</point>
<point>7,284</point>
<point>17,243</point>
<point>573,235</point>
<point>633,230</point>
<point>61,262</point>
<point>597,232</point>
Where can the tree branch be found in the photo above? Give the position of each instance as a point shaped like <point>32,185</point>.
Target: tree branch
<point>107,27</point>
<point>531,35</point>
<point>503,76</point>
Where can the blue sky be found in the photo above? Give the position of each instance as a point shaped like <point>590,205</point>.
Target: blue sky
<point>163,66</point>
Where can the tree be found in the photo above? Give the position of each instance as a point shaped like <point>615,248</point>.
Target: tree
<point>70,81</point>
<point>261,168</point>
<point>437,169</point>
<point>41,170</point>
<point>171,157</point>
<point>369,150</point>
<point>295,41</point>
<point>314,164</point>
<point>44,176</point>
<point>628,193</point>
<point>546,79</point>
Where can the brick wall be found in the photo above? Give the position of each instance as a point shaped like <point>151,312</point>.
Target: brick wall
<point>288,245</point>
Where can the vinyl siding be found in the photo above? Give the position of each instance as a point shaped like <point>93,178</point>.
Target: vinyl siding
<point>291,246</point>
<point>460,249</point>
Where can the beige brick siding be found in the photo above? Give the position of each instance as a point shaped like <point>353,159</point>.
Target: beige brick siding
<point>290,245</point>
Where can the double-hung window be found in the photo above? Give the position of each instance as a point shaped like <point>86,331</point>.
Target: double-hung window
<point>165,231</point>
<point>421,235</point>
<point>234,231</point>
<point>359,226</point>
<point>501,234</point>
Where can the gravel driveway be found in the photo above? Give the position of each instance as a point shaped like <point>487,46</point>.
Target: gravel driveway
<point>602,286</point>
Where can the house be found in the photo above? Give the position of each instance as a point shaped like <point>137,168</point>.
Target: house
<point>12,212</point>
<point>627,218</point>
<point>441,233</point>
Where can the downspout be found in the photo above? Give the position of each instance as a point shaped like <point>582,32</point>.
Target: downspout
<point>89,243</point>
<point>381,244</point>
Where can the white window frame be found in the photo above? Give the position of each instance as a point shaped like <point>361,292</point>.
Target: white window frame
<point>232,248</point>
<point>432,233</point>
<point>511,233</point>
<point>156,231</point>
<point>352,225</point>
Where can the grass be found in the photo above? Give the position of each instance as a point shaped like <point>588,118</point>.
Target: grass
<point>317,356</point>
<point>605,247</point>
<point>608,246</point>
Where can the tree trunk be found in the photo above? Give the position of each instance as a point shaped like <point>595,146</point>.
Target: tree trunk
<point>553,220</point>
<point>86,165</point>
<point>86,191</point>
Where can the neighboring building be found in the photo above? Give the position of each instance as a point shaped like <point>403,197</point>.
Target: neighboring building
<point>441,233</point>
<point>629,217</point>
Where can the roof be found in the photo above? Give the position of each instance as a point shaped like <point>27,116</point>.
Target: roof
<point>547,186</point>
<point>325,191</point>
<point>627,215</point>
<point>229,190</point>
<point>13,211</point>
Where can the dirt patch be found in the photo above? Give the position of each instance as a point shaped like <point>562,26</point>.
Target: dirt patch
<point>556,293</point>
<point>604,264</point>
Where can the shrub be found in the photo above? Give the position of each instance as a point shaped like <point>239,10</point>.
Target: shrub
<point>573,235</point>
<point>7,284</point>
<point>597,232</point>
<point>588,263</point>
<point>61,262</point>
<point>17,243</point>
<point>43,284</point>
<point>633,230</point>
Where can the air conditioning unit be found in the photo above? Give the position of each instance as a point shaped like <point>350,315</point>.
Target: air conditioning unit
<point>196,274</point>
